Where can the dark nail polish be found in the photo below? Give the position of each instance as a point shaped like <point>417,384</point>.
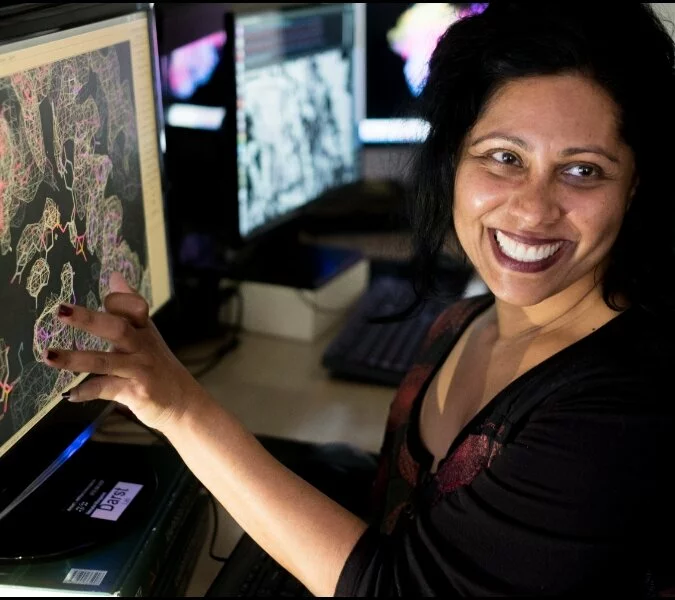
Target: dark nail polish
<point>65,396</point>
<point>52,354</point>
<point>65,311</point>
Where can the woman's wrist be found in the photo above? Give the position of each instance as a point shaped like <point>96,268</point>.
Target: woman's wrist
<point>193,405</point>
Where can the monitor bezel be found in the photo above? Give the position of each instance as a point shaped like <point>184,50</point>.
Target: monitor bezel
<point>285,221</point>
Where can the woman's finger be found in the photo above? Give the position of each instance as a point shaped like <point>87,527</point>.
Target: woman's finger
<point>119,284</point>
<point>113,328</point>
<point>123,300</point>
<point>132,307</point>
<point>100,363</point>
<point>104,387</point>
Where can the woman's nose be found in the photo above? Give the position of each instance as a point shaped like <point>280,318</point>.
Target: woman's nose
<point>535,203</point>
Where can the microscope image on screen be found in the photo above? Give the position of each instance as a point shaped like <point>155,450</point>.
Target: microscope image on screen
<point>298,116</point>
<point>71,213</point>
<point>417,31</point>
<point>192,66</point>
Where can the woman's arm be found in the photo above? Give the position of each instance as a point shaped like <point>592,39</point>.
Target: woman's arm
<point>305,531</point>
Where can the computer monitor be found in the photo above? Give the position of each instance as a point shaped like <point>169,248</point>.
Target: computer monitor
<point>194,89</point>
<point>81,196</point>
<point>399,40</point>
<point>294,115</point>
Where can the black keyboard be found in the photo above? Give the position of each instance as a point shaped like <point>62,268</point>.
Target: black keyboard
<point>250,571</point>
<point>383,353</point>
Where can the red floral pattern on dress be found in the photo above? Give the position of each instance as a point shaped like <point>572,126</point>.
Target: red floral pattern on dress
<point>473,455</point>
<point>399,412</point>
<point>407,465</point>
<point>398,471</point>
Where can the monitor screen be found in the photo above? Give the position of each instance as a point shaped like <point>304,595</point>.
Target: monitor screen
<point>399,41</point>
<point>194,86</point>
<point>80,197</point>
<point>296,124</point>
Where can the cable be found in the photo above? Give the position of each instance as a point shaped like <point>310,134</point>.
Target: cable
<point>214,505</point>
<point>208,357</point>
<point>224,349</point>
<point>231,342</point>
<point>126,414</point>
<point>214,533</point>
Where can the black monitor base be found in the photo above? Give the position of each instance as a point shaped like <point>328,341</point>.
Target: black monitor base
<point>294,264</point>
<point>97,495</point>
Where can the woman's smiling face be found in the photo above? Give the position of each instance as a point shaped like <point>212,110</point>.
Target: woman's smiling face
<point>542,185</point>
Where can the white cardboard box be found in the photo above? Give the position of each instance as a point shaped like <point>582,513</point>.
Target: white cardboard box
<point>302,314</point>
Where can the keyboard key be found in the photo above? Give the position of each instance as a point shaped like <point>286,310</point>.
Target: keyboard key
<point>377,352</point>
<point>251,572</point>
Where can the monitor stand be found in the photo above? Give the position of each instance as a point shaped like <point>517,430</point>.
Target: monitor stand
<point>100,492</point>
<point>285,260</point>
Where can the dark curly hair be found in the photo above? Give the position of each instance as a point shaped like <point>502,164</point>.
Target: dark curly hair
<point>623,47</point>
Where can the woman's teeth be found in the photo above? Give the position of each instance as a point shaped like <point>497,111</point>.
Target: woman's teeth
<point>525,252</point>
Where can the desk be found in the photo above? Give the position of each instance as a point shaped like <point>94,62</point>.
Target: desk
<point>278,387</point>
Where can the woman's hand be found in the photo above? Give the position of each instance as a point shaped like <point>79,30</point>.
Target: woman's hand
<point>139,372</point>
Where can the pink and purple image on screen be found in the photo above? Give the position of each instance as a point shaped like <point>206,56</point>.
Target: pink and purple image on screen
<point>417,31</point>
<point>192,65</point>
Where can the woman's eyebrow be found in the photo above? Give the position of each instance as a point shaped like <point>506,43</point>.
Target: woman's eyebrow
<point>503,136</point>
<point>592,149</point>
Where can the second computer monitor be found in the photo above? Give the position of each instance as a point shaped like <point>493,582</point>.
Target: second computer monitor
<point>296,126</point>
<point>399,41</point>
<point>194,88</point>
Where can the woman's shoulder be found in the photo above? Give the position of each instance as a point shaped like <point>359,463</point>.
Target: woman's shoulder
<point>628,360</point>
<point>642,337</point>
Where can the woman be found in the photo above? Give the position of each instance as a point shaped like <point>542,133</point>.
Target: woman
<point>527,451</point>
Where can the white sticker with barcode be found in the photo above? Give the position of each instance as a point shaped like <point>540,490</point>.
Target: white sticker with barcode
<point>85,577</point>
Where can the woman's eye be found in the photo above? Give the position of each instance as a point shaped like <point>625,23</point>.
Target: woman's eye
<point>583,171</point>
<point>504,157</point>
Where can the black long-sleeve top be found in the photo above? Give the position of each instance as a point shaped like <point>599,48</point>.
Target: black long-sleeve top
<point>561,485</point>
